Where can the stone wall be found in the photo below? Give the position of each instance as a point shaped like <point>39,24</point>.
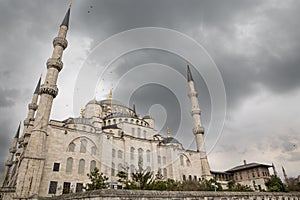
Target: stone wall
<point>174,195</point>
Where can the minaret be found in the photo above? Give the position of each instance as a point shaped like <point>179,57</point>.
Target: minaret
<point>285,176</point>
<point>32,164</point>
<point>23,140</point>
<point>10,159</point>
<point>28,122</point>
<point>32,107</point>
<point>274,170</point>
<point>198,129</point>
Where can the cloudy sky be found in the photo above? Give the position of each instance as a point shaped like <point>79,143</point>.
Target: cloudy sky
<point>248,63</point>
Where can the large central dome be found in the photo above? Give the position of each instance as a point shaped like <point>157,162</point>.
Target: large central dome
<point>106,101</point>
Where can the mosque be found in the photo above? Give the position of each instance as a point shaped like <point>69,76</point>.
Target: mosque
<point>51,157</point>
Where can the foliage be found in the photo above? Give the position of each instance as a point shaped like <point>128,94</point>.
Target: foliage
<point>274,184</point>
<point>145,180</point>
<point>142,178</point>
<point>236,187</point>
<point>98,180</point>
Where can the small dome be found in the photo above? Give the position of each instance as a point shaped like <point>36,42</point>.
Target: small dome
<point>147,117</point>
<point>170,140</point>
<point>93,101</point>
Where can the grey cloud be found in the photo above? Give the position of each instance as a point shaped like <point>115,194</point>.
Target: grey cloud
<point>269,62</point>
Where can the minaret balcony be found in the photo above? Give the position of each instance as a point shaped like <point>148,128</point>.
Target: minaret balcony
<point>196,111</point>
<point>193,94</point>
<point>32,106</point>
<point>61,42</point>
<point>21,139</point>
<point>49,89</point>
<point>55,63</point>
<point>12,150</point>
<point>18,153</point>
<point>9,163</point>
<point>26,122</point>
<point>198,130</point>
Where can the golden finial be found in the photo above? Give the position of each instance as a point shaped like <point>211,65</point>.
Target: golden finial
<point>70,5</point>
<point>187,62</point>
<point>81,113</point>
<point>41,75</point>
<point>110,94</point>
<point>168,132</point>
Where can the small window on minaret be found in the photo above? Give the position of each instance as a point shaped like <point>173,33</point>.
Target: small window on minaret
<point>56,167</point>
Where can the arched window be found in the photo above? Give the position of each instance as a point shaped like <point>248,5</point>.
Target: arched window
<point>132,169</point>
<point>92,165</point>
<point>69,166</point>
<point>140,156</point>
<point>139,132</point>
<point>132,153</point>
<point>120,167</point>
<point>165,172</point>
<point>83,144</point>
<point>94,150</point>
<point>133,131</point>
<point>181,160</point>
<point>81,166</point>
<point>113,153</point>
<point>164,159</point>
<point>145,134</point>
<point>71,147</point>
<point>159,171</point>
<point>113,169</point>
<point>158,159</point>
<point>120,154</point>
<point>148,155</point>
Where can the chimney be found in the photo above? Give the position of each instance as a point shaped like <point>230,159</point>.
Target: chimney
<point>245,163</point>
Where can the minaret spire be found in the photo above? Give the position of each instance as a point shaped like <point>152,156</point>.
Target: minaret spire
<point>38,85</point>
<point>189,74</point>
<point>65,21</point>
<point>198,129</point>
<point>32,164</point>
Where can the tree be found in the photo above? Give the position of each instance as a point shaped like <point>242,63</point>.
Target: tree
<point>274,184</point>
<point>142,178</point>
<point>232,186</point>
<point>98,180</point>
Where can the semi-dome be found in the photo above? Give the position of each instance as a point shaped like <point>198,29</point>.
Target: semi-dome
<point>147,116</point>
<point>169,140</point>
